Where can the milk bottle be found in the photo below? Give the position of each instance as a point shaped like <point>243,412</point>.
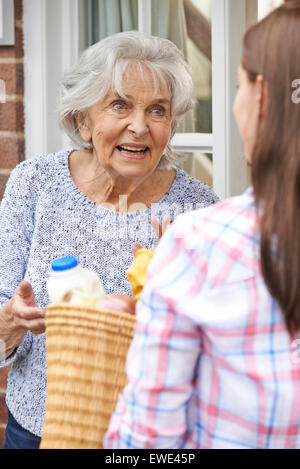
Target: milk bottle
<point>69,282</point>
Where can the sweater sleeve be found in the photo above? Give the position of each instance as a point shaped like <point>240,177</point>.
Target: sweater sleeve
<point>203,196</point>
<point>195,194</point>
<point>16,229</point>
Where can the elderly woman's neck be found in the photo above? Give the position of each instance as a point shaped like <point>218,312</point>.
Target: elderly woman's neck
<point>115,191</point>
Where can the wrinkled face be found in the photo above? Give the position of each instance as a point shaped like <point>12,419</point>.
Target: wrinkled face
<point>246,109</point>
<point>129,135</point>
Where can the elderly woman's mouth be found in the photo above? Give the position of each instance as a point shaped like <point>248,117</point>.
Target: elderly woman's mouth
<point>132,151</point>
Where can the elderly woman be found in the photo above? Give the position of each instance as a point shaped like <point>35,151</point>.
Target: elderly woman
<point>120,105</point>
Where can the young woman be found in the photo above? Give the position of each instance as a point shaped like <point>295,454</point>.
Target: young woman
<point>214,362</point>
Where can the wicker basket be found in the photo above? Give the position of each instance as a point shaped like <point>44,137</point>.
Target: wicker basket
<point>86,356</point>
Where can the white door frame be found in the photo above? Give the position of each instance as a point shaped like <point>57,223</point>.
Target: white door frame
<point>230,18</point>
<point>51,42</point>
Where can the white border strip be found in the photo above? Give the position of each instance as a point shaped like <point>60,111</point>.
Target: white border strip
<point>190,142</point>
<point>1,20</point>
<point>34,77</point>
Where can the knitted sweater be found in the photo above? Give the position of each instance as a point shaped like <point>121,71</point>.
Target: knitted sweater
<point>43,215</point>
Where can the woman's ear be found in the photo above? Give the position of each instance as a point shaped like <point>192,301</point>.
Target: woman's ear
<point>265,99</point>
<point>262,95</point>
<point>83,127</point>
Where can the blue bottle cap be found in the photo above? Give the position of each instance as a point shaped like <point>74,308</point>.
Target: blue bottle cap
<point>64,263</point>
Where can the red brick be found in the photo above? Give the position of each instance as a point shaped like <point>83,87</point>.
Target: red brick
<point>3,409</point>
<point>2,436</point>
<point>7,52</point>
<point>18,9</point>
<point>3,377</point>
<point>12,151</point>
<point>19,42</point>
<point>3,181</point>
<point>13,76</point>
<point>12,116</point>
<point>12,112</point>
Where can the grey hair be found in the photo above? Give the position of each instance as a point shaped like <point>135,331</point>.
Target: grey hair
<point>102,66</point>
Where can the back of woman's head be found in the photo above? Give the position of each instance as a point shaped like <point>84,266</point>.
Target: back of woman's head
<point>271,49</point>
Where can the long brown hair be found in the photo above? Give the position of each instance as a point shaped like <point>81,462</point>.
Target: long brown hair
<point>272,49</point>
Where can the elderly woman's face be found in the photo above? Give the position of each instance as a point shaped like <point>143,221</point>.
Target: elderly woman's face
<point>129,135</point>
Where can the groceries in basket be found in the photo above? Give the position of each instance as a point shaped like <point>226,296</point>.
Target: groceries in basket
<point>70,283</point>
<point>87,348</point>
<point>137,272</point>
<point>88,338</point>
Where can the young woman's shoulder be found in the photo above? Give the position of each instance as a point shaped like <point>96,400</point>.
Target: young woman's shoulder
<point>235,216</point>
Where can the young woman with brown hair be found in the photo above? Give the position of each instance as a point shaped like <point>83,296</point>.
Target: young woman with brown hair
<point>214,362</point>
<point>272,57</point>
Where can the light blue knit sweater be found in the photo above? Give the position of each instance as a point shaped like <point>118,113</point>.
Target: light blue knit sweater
<point>43,215</point>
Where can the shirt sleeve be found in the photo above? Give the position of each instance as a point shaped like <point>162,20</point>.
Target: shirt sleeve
<point>16,228</point>
<point>152,411</point>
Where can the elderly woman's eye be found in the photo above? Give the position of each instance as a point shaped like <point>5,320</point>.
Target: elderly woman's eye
<point>158,111</point>
<point>119,106</point>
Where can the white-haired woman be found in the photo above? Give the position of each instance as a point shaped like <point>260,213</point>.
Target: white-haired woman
<point>120,105</point>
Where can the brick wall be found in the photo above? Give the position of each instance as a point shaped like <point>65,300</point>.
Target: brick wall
<point>3,409</point>
<point>11,112</point>
<point>11,137</point>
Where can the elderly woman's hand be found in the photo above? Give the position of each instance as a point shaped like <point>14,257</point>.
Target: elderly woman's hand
<point>158,228</point>
<point>20,314</point>
<point>25,311</point>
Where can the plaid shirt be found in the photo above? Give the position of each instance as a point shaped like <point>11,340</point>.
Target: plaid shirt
<point>211,364</point>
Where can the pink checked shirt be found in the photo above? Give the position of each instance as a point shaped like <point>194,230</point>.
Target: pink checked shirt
<point>211,364</point>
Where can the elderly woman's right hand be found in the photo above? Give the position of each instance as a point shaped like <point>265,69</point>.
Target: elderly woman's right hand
<point>20,314</point>
<point>159,230</point>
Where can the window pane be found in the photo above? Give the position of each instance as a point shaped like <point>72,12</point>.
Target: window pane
<point>108,17</point>
<point>188,24</point>
<point>202,169</point>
